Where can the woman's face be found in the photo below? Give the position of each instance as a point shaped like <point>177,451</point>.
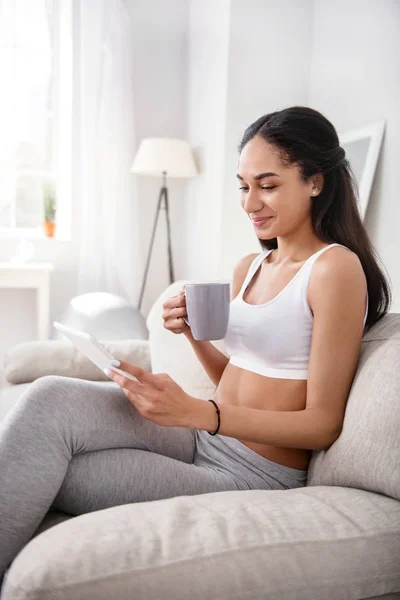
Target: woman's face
<point>284,197</point>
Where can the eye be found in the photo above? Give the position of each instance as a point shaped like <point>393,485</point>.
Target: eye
<point>262,187</point>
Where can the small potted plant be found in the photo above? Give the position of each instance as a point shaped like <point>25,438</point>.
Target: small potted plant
<point>49,204</point>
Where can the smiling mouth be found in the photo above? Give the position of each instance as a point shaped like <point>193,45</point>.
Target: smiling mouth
<point>262,222</point>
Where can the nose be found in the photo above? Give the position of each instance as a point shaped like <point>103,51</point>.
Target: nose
<point>251,202</point>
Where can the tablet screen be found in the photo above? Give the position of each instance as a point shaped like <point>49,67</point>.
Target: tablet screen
<point>88,345</point>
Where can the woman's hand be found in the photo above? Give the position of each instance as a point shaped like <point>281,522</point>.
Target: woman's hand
<point>156,396</point>
<point>173,313</point>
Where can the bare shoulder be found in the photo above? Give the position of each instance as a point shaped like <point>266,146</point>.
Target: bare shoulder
<point>339,259</point>
<point>239,273</point>
<point>339,267</point>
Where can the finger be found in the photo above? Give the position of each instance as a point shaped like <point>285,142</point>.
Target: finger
<point>124,382</point>
<point>138,372</point>
<point>178,302</point>
<point>176,321</point>
<point>174,302</point>
<point>136,400</point>
<point>132,397</point>
<point>177,313</point>
<point>144,377</point>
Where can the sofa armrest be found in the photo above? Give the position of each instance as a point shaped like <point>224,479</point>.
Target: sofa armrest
<point>28,361</point>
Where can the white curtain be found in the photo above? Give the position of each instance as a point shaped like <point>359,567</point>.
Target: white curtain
<point>109,249</point>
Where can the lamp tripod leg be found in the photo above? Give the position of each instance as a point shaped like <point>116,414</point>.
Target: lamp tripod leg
<point>170,263</point>
<point>150,248</point>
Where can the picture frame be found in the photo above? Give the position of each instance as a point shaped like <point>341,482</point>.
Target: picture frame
<point>362,147</point>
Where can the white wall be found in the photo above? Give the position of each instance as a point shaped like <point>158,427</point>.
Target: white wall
<point>209,23</point>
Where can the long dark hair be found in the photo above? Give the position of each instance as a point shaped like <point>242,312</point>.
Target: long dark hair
<point>305,138</point>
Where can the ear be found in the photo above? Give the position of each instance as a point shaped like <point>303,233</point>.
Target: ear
<point>317,182</point>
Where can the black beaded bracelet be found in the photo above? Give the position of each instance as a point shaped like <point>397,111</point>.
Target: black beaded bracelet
<point>219,420</point>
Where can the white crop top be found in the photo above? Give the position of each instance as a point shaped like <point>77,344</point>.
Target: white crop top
<point>274,339</point>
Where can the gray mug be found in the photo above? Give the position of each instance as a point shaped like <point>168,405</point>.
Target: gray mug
<point>207,306</point>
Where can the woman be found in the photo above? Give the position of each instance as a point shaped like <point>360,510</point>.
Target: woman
<point>297,317</point>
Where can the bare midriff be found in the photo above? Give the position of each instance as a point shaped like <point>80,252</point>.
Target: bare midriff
<point>240,387</point>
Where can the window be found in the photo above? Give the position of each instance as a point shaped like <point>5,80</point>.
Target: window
<point>35,115</point>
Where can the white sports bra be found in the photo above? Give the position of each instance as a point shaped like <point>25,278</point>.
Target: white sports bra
<point>274,339</point>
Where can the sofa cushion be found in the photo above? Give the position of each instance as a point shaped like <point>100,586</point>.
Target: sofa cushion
<point>302,543</point>
<point>173,353</point>
<point>28,361</point>
<point>367,453</point>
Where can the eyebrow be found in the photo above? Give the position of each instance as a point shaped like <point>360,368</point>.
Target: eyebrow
<point>260,176</point>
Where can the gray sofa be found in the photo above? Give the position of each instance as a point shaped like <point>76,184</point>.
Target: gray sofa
<point>337,538</point>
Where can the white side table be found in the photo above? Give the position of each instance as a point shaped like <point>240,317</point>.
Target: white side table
<point>31,275</point>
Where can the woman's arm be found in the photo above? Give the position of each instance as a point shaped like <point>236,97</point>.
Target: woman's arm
<point>213,361</point>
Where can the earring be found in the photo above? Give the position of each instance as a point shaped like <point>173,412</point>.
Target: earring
<point>314,192</point>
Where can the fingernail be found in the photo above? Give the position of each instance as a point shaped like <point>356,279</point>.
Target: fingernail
<point>115,363</point>
<point>107,372</point>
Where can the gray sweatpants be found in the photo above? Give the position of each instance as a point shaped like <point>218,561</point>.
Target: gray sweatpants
<point>80,446</point>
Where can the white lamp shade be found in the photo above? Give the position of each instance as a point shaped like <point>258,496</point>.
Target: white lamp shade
<point>171,155</point>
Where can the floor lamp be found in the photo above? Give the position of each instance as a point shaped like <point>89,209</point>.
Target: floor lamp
<point>166,157</point>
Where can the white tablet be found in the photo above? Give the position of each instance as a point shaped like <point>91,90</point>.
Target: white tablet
<point>91,347</point>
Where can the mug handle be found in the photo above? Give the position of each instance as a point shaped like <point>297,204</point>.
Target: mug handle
<point>186,319</point>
